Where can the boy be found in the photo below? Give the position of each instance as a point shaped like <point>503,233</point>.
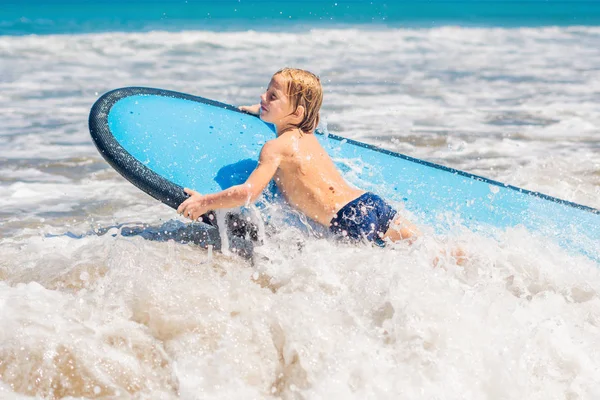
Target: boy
<point>303,171</point>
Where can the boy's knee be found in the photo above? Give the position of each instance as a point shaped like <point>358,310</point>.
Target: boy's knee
<point>402,229</point>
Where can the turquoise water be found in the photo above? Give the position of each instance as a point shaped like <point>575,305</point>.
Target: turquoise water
<point>70,16</point>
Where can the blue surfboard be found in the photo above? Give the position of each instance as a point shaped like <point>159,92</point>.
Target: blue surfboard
<point>162,141</point>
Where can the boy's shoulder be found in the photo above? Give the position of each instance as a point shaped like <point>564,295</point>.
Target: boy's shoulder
<point>289,145</point>
<point>281,144</point>
<point>273,149</point>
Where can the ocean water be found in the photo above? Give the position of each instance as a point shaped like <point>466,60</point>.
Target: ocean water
<point>77,16</point>
<point>85,315</point>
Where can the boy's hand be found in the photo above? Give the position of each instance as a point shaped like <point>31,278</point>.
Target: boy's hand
<point>254,110</point>
<point>194,207</point>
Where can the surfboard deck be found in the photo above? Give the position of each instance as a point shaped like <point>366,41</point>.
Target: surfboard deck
<point>162,141</point>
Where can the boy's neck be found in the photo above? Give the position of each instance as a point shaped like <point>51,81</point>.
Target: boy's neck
<point>293,129</point>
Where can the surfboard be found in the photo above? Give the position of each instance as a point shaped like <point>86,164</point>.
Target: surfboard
<point>163,141</point>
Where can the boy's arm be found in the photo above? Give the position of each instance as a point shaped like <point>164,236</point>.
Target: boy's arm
<point>239,195</point>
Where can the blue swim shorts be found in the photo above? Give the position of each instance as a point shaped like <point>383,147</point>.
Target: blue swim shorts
<point>367,216</point>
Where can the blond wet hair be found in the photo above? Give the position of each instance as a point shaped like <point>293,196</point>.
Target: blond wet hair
<point>303,88</point>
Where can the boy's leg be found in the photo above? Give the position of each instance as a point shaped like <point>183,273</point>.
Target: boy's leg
<point>401,229</point>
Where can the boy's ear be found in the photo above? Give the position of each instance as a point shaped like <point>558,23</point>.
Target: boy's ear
<point>299,112</point>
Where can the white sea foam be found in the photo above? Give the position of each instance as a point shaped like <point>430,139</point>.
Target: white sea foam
<point>87,316</point>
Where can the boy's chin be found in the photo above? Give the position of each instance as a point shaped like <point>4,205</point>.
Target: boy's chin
<point>264,118</point>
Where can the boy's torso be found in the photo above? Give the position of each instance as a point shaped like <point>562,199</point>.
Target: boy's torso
<point>308,178</point>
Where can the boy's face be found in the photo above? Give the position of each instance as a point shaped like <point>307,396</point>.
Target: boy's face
<point>275,106</point>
